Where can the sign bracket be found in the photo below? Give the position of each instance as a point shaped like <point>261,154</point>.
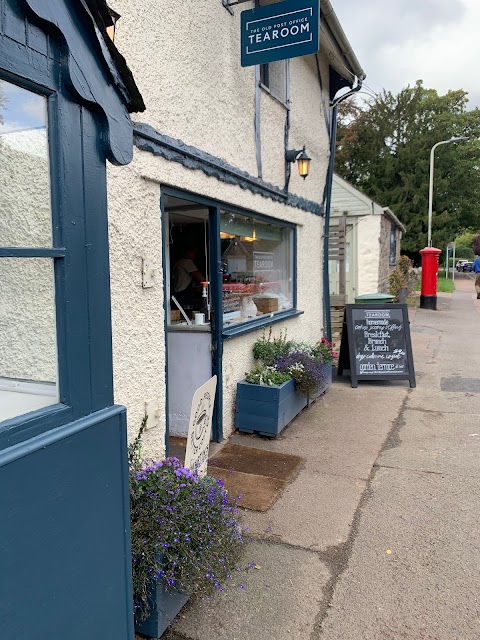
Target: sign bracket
<point>228,5</point>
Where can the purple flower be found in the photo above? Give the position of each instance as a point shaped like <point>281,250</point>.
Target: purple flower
<point>305,369</point>
<point>190,520</point>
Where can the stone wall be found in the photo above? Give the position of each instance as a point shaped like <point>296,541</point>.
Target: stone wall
<point>384,254</point>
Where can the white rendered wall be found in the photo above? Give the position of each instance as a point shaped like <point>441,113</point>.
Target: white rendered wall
<point>137,314</point>
<point>368,252</point>
<point>185,57</point>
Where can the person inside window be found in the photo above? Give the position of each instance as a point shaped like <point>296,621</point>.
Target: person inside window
<point>186,278</point>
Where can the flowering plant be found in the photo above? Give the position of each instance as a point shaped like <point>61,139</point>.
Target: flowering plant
<point>185,529</point>
<point>267,376</point>
<point>283,359</point>
<point>268,349</point>
<point>304,367</point>
<point>325,350</point>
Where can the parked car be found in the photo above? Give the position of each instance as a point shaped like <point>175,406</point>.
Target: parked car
<point>467,266</point>
<point>460,264</point>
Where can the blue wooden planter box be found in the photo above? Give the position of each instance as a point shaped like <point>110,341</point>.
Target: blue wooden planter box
<point>327,380</point>
<point>267,410</point>
<point>165,606</point>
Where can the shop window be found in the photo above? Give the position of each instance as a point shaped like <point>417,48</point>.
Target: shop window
<point>257,266</point>
<point>28,351</point>
<point>188,269</point>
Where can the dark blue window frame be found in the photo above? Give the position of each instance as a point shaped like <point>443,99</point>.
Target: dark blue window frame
<point>252,325</point>
<point>219,334</point>
<point>81,274</point>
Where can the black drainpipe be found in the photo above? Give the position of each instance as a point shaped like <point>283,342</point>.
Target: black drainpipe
<point>328,202</point>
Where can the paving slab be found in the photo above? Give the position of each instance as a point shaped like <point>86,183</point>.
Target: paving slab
<point>315,512</point>
<point>437,400</point>
<point>413,573</point>
<point>280,600</point>
<point>340,432</point>
<point>442,443</point>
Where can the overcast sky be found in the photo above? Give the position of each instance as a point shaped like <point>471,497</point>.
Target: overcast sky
<point>400,41</point>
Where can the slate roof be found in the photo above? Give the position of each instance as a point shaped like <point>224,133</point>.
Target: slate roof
<point>102,15</point>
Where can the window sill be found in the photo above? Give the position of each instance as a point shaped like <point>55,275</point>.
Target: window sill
<point>264,321</point>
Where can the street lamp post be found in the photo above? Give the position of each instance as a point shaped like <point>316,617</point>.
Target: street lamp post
<point>430,255</point>
<point>430,193</point>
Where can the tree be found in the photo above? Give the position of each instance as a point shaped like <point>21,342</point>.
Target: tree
<point>466,238</point>
<point>476,246</point>
<point>462,251</point>
<point>384,150</point>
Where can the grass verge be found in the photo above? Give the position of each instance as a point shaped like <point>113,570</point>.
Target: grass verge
<point>444,285</point>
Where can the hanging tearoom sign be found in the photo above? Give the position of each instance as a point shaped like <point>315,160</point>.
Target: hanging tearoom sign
<point>279,31</point>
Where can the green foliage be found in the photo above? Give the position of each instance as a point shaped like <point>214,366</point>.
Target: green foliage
<point>396,283</point>
<point>444,285</point>
<point>266,375</point>
<point>384,150</point>
<point>268,349</point>
<point>301,361</point>
<point>325,351</point>
<point>462,251</point>
<point>403,277</point>
<point>466,238</point>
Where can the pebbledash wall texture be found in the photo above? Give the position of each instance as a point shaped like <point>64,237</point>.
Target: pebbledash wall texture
<point>185,57</point>
<point>27,338</point>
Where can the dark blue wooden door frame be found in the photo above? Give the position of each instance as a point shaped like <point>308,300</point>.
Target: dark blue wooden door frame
<point>216,310</point>
<point>65,555</point>
<point>77,147</point>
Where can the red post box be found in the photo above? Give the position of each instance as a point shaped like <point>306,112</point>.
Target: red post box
<point>428,296</point>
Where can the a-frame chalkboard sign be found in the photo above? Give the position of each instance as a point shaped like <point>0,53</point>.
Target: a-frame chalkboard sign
<point>376,343</point>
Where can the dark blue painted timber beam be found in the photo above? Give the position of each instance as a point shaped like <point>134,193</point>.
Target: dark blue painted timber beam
<point>91,79</point>
<point>148,139</point>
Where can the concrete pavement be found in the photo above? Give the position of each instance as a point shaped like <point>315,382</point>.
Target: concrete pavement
<point>377,538</point>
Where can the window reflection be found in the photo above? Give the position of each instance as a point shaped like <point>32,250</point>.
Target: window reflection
<point>257,266</point>
<point>25,209</point>
<point>28,362</point>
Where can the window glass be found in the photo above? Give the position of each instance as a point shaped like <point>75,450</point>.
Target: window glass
<point>257,266</point>
<point>25,211</point>
<point>28,362</point>
<point>273,75</point>
<point>392,259</point>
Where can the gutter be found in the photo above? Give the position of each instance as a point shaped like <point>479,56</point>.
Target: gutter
<point>330,17</point>
<point>328,205</point>
<point>389,213</point>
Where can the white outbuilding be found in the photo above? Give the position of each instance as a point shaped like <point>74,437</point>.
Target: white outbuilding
<point>373,235</point>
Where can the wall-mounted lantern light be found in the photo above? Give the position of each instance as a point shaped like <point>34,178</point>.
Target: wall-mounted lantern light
<point>111,27</point>
<point>301,158</point>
